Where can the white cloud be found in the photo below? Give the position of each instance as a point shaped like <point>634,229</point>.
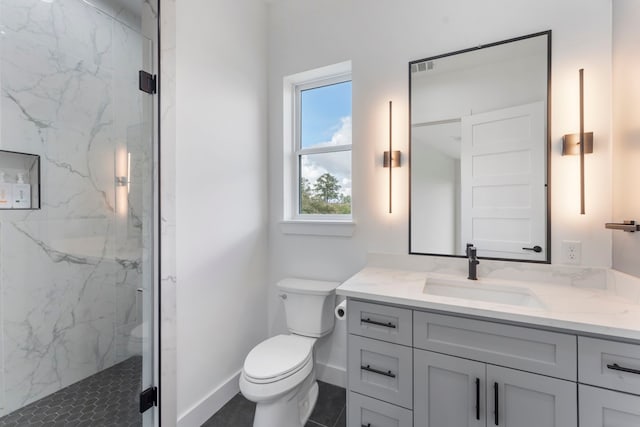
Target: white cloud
<point>342,136</point>
<point>337,164</point>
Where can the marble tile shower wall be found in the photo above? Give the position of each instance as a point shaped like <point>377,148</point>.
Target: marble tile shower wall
<point>70,271</point>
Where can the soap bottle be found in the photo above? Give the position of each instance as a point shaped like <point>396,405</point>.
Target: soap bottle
<point>6,193</point>
<point>21,194</point>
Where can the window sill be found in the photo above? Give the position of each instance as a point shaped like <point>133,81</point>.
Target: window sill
<point>318,228</point>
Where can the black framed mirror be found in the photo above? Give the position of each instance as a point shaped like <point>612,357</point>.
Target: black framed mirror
<point>480,151</point>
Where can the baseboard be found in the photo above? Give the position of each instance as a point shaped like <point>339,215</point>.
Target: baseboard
<point>332,374</point>
<point>209,405</point>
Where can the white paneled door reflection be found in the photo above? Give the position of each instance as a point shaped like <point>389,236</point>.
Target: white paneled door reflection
<point>503,192</point>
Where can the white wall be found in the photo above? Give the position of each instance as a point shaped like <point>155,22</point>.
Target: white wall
<point>221,174</point>
<point>462,92</point>
<point>381,37</point>
<point>436,198</point>
<point>626,132</point>
<point>168,278</point>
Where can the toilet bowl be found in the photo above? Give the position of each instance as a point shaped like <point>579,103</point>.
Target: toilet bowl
<point>279,373</point>
<point>137,339</point>
<point>281,382</point>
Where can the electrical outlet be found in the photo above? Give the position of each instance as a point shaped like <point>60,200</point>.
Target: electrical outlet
<point>572,251</point>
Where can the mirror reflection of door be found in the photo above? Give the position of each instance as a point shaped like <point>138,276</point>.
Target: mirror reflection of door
<point>502,193</point>
<point>479,139</point>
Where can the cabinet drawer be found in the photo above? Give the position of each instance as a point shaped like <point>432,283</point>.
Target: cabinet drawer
<point>365,411</point>
<point>609,364</point>
<point>381,370</point>
<point>606,408</point>
<point>533,350</point>
<point>381,322</point>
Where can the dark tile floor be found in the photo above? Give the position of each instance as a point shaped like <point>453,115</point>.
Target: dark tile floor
<point>108,398</point>
<point>329,410</point>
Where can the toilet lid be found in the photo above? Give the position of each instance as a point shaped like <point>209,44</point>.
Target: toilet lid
<point>278,356</point>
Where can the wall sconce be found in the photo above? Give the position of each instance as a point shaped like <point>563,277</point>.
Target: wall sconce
<point>580,143</point>
<point>122,180</point>
<point>392,159</point>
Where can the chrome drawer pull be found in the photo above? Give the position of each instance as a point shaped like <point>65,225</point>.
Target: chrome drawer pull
<point>373,322</point>
<point>616,367</point>
<point>368,368</point>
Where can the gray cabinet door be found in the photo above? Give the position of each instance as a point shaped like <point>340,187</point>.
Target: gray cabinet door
<point>606,408</point>
<point>381,370</point>
<point>529,400</point>
<point>448,391</point>
<point>369,412</point>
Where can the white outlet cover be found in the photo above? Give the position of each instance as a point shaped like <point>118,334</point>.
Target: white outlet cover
<point>572,252</point>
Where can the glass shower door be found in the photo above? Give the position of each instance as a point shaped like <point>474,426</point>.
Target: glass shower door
<point>135,195</point>
<point>78,274</point>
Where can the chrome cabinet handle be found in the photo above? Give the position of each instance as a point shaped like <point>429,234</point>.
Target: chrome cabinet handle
<point>368,368</point>
<point>616,367</point>
<point>373,322</point>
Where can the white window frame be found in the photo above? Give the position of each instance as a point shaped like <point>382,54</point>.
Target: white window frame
<point>294,85</point>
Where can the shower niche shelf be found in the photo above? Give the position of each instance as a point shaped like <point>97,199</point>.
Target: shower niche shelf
<point>13,164</point>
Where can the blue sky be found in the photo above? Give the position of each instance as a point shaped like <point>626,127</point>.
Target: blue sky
<point>322,112</point>
<point>326,120</point>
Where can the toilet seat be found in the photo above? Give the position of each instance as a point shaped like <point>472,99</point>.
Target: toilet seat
<point>278,358</point>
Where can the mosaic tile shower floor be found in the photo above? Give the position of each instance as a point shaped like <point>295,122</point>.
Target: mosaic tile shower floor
<point>108,398</point>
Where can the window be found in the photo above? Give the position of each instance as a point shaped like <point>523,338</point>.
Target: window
<point>322,148</point>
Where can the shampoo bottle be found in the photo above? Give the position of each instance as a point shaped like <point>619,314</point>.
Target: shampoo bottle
<point>21,194</point>
<point>6,193</point>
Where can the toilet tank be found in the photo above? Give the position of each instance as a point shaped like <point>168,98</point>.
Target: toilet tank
<point>308,305</point>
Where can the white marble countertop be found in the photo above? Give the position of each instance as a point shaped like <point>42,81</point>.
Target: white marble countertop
<point>598,311</point>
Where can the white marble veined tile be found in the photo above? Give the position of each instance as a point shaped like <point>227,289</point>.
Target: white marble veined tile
<point>67,355</point>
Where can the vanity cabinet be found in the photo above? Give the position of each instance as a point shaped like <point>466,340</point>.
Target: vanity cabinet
<point>379,365</point>
<point>521,399</point>
<point>419,368</point>
<point>607,408</point>
<point>609,393</point>
<point>454,392</point>
<point>366,411</point>
<point>448,391</point>
<point>381,370</point>
<point>533,350</point>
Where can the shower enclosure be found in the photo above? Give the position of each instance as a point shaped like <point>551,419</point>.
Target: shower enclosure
<point>78,265</point>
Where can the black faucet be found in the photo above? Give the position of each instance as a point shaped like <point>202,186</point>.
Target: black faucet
<point>473,261</point>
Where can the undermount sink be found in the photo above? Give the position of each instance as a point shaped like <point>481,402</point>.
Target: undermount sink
<point>481,290</point>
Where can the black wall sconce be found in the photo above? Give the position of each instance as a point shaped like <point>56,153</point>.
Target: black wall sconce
<point>579,143</point>
<point>392,159</point>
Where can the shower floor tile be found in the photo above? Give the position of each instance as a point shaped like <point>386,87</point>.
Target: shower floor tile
<point>328,412</point>
<point>108,398</point>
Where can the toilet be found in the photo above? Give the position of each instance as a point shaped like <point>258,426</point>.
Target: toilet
<point>137,340</point>
<point>279,373</point>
